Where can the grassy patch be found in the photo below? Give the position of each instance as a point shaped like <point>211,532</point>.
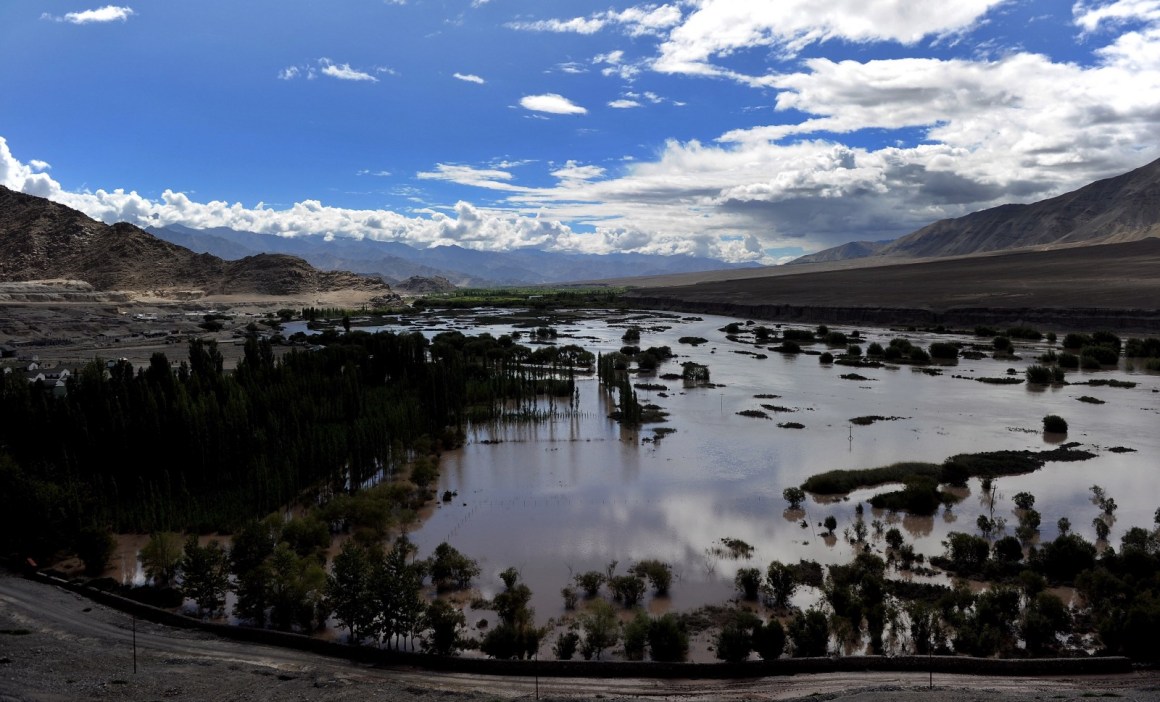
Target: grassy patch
<point>791,425</point>
<point>755,414</point>
<point>837,482</point>
<point>1108,382</point>
<point>1090,400</point>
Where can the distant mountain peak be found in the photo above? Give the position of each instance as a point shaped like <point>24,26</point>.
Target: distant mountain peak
<point>1113,210</point>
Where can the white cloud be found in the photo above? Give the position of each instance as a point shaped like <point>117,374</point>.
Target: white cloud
<point>377,174</point>
<point>468,78</point>
<point>718,28</point>
<point>1089,15</point>
<point>493,178</point>
<point>288,73</point>
<point>343,71</point>
<point>38,165</point>
<point>572,67</point>
<point>553,103</point>
<point>636,21</point>
<point>108,13</point>
<point>623,104</point>
<point>573,171</point>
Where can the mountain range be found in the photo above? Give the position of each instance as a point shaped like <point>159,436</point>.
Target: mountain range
<point>44,240</point>
<point>1114,210</point>
<point>395,261</point>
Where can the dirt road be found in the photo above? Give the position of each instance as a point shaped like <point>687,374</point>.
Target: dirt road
<point>56,645</point>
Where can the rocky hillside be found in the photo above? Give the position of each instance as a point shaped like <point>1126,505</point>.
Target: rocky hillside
<point>1115,210</point>
<point>43,240</point>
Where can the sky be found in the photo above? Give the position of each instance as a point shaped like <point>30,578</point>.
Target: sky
<point>744,130</point>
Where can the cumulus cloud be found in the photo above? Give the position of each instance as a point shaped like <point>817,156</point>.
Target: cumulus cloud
<point>108,13</point>
<point>623,104</point>
<point>469,78</point>
<point>1089,15</point>
<point>553,103</point>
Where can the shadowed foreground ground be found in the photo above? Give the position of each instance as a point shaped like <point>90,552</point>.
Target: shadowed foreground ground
<point>56,645</point>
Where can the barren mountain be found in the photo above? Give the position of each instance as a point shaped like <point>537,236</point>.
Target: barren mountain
<point>1115,210</point>
<point>43,240</point>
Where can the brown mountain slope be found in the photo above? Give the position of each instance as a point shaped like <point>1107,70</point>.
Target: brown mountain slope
<point>43,239</point>
<point>1088,287</point>
<point>1114,210</point>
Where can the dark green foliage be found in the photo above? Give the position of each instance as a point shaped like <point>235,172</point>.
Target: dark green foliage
<point>204,450</point>
<point>516,636</point>
<point>769,640</point>
<point>1068,360</point>
<point>450,569</point>
<point>1143,348</point>
<point>797,335</point>
<point>918,355</point>
<point>790,347</point>
<point>205,574</point>
<point>826,357</point>
<point>944,351</point>
<point>565,646</point>
<point>1042,375</point>
<point>735,640</point>
<point>668,640</point>
<point>350,589</point>
<point>445,625</point>
<point>967,553</point>
<point>658,573</point>
<point>1024,333</point>
<point>990,628</point>
<point>636,636</point>
<point>831,523</point>
<point>1065,558</point>
<point>919,496</point>
<point>810,633</point>
<point>894,538</point>
<point>1076,341</point>
<point>781,582</point>
<point>794,496</point>
<point>1104,355</point>
<point>161,557</point>
<point>1024,500</point>
<point>94,548</point>
<point>590,582</point>
<point>748,581</point>
<point>601,629</point>
<point>628,589</point>
<point>835,338</point>
<point>1001,344</point>
<point>842,481</point>
<point>874,349</point>
<point>1054,424</point>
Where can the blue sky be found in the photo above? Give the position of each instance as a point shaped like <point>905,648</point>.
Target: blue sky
<point>738,129</point>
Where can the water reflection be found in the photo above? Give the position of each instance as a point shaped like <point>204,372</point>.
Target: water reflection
<point>558,498</point>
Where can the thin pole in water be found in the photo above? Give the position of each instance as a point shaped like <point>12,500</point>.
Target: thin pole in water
<point>134,644</point>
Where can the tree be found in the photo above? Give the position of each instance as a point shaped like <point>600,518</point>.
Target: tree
<point>781,583</point>
<point>894,538</point>
<point>748,581</point>
<point>350,590</point>
<point>831,523</point>
<point>734,642</point>
<point>445,624</point>
<point>161,556</point>
<point>810,633</point>
<point>769,640</point>
<point>590,582</point>
<point>658,573</point>
<point>205,574</point>
<point>601,629</point>
<point>636,636</point>
<point>794,496</point>
<point>94,548</point>
<point>627,588</point>
<point>1024,500</point>
<point>451,569</point>
<point>668,641</point>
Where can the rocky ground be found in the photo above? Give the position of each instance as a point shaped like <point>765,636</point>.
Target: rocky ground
<point>56,645</point>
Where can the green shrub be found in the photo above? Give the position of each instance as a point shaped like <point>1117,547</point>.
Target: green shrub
<point>826,357</point>
<point>1105,355</point>
<point>797,335</point>
<point>1076,341</point>
<point>944,351</point>
<point>1054,424</point>
<point>854,350</point>
<point>668,641</point>
<point>874,349</point>
<point>810,632</point>
<point>1068,360</point>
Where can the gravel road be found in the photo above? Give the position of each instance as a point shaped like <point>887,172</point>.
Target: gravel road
<point>56,646</point>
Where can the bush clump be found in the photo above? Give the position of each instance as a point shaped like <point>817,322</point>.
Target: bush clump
<point>1054,424</point>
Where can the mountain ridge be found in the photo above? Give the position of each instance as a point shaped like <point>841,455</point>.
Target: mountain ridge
<point>47,240</point>
<point>1119,209</point>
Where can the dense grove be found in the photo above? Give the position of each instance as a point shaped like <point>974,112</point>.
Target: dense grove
<point>193,447</point>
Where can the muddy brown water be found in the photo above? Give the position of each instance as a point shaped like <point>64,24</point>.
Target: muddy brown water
<point>575,493</point>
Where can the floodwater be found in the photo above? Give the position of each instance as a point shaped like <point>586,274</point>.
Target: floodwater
<point>561,497</point>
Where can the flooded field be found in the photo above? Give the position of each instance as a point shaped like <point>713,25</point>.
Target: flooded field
<point>559,497</point>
